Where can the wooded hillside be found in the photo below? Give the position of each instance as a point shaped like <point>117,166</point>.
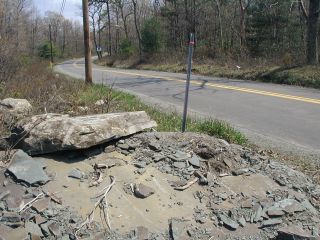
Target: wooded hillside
<point>283,31</point>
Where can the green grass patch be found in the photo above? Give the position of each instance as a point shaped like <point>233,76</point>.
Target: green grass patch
<point>167,122</point>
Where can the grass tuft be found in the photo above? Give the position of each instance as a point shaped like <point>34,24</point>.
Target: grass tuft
<point>167,122</point>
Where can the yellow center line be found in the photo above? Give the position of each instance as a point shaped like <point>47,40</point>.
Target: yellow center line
<point>213,85</point>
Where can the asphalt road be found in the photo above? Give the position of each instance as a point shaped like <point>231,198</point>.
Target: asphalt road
<point>271,115</point>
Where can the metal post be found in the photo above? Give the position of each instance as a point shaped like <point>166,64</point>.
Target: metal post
<point>185,109</point>
<point>87,48</point>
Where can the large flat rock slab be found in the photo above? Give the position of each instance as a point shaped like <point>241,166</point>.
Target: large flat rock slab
<point>56,132</point>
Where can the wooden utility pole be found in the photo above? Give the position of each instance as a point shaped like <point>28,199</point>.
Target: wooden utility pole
<point>51,51</point>
<point>87,45</point>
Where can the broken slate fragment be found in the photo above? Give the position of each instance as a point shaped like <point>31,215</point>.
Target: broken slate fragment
<point>179,164</point>
<point>33,229</point>
<point>275,212</point>
<point>294,232</point>
<point>11,217</point>
<point>25,169</point>
<point>41,205</point>
<point>76,173</point>
<point>143,191</point>
<point>179,156</point>
<point>307,205</point>
<point>194,161</point>
<point>177,228</point>
<point>140,164</point>
<point>271,222</point>
<point>178,183</point>
<point>154,146</point>
<point>7,233</point>
<point>54,229</point>
<point>228,222</point>
<point>242,222</point>
<point>158,157</point>
<point>123,146</point>
<point>239,172</point>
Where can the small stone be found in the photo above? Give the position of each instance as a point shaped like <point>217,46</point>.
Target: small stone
<point>38,219</point>
<point>45,229</point>
<point>307,205</point>
<point>194,161</point>
<point>26,216</point>
<point>179,183</point>
<point>275,212</point>
<point>228,222</point>
<point>123,146</point>
<point>140,164</point>
<point>271,222</point>
<point>143,191</point>
<point>33,229</point>
<point>154,146</point>
<point>2,206</point>
<point>109,149</point>
<point>142,233</point>
<point>258,213</point>
<point>158,157</point>
<point>179,164</point>
<point>54,229</point>
<point>76,173</point>
<point>179,156</point>
<point>240,171</point>
<point>177,229</point>
<point>242,222</point>
<point>41,205</point>
<point>141,171</point>
<point>11,217</point>
<point>223,196</point>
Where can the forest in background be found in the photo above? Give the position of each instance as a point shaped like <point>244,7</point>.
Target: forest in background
<point>241,33</point>
<point>279,31</point>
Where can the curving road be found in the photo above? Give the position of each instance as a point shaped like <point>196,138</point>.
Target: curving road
<point>276,116</point>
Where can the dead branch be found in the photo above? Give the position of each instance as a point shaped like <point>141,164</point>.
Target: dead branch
<point>303,9</point>
<point>29,204</point>
<point>53,197</point>
<point>102,198</point>
<point>189,184</point>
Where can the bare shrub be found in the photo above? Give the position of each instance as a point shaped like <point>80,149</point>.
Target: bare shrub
<point>9,63</point>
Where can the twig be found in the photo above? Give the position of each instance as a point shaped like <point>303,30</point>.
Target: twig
<point>90,216</point>
<point>29,204</point>
<point>189,184</point>
<point>53,197</point>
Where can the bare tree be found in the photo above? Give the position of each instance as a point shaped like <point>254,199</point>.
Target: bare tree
<point>136,24</point>
<point>312,19</point>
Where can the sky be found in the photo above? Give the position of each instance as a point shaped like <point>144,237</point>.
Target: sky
<point>72,8</point>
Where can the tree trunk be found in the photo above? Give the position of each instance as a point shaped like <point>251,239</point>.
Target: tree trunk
<point>109,28</point>
<point>312,32</point>
<point>242,23</point>
<point>134,2</point>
